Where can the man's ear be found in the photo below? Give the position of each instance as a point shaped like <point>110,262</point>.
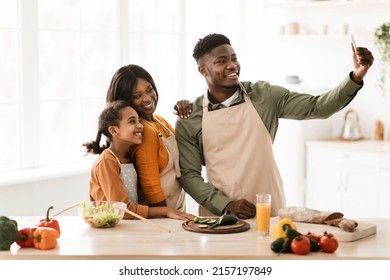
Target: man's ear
<point>112,130</point>
<point>202,70</point>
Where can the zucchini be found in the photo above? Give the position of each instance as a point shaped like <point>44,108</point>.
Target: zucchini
<point>226,219</point>
<point>314,246</point>
<point>292,233</point>
<point>203,220</point>
<point>276,245</point>
<point>286,247</point>
<point>202,226</point>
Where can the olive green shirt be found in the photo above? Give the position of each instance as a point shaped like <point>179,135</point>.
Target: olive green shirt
<point>271,102</point>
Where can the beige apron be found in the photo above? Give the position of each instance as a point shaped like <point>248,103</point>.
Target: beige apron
<point>174,193</point>
<point>238,154</point>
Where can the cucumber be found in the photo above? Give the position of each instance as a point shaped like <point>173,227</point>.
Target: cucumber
<point>276,245</point>
<point>314,246</point>
<point>202,226</point>
<point>211,221</point>
<point>292,233</point>
<point>286,247</point>
<point>226,219</point>
<point>203,220</point>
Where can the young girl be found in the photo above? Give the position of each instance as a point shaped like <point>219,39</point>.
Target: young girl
<point>113,177</point>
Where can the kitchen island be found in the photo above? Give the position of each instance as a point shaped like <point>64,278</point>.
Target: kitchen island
<point>137,240</point>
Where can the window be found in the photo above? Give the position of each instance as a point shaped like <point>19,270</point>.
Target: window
<point>58,58</point>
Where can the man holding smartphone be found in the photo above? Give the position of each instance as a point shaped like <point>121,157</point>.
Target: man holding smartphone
<point>232,127</point>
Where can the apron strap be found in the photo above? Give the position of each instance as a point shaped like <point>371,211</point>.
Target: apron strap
<point>114,155</point>
<point>163,125</point>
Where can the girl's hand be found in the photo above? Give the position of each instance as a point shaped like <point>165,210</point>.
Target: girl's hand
<point>175,214</point>
<point>183,109</point>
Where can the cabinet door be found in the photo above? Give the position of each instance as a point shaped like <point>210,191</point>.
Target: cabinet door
<point>348,181</point>
<point>383,207</point>
<point>360,189</point>
<point>325,179</point>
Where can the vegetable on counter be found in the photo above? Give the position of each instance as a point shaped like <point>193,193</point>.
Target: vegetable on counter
<point>225,219</point>
<point>8,232</point>
<point>45,238</point>
<point>328,243</point>
<point>26,237</point>
<point>50,222</point>
<point>101,216</point>
<point>315,237</point>
<point>292,241</point>
<point>300,245</point>
<point>277,245</point>
<point>280,228</point>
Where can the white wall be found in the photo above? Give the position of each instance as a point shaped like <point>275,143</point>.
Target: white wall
<point>34,198</point>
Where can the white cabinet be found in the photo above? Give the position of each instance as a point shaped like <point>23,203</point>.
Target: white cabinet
<point>384,190</point>
<point>350,177</point>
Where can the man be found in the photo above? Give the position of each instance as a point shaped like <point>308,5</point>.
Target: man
<point>232,127</point>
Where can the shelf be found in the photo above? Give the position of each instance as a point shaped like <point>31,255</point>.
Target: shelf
<point>335,38</point>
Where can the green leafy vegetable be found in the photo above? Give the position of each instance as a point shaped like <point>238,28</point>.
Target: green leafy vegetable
<point>100,216</point>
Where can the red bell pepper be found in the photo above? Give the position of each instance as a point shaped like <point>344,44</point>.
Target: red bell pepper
<point>50,222</point>
<point>26,237</point>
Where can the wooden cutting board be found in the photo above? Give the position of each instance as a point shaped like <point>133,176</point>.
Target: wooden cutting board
<point>240,226</point>
<point>363,230</point>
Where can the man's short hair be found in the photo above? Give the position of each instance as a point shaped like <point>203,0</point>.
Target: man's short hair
<point>208,43</point>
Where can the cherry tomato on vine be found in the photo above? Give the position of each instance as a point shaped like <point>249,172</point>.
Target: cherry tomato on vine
<point>300,245</point>
<point>328,243</point>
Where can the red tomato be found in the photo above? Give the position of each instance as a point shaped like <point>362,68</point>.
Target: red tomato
<point>322,234</point>
<point>328,243</point>
<point>313,236</point>
<point>300,245</point>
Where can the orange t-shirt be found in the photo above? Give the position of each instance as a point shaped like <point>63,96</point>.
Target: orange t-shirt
<point>150,158</point>
<point>106,184</point>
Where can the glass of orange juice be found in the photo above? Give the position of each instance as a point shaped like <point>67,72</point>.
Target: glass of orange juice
<point>263,213</point>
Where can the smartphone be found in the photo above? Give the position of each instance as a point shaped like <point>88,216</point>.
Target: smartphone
<point>354,47</point>
<point>353,42</point>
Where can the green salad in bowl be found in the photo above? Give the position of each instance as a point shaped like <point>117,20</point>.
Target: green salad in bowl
<point>101,214</point>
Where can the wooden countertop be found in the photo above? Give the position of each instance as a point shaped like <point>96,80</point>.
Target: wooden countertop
<point>134,239</point>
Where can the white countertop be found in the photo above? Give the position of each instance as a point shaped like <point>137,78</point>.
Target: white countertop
<point>135,239</point>
<point>361,145</point>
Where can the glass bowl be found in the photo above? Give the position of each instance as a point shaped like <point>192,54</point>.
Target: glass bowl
<point>101,214</point>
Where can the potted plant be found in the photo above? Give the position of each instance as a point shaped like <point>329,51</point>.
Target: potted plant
<point>382,41</point>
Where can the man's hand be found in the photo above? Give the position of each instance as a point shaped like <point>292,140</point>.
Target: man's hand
<point>362,61</point>
<point>242,208</point>
<point>183,109</point>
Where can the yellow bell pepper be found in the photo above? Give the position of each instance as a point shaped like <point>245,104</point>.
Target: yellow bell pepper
<point>281,226</point>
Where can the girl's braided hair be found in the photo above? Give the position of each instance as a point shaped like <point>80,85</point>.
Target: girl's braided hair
<point>110,116</point>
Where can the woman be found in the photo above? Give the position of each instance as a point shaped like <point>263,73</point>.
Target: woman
<point>157,158</point>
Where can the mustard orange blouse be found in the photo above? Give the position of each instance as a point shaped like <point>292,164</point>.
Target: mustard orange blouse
<point>150,158</point>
